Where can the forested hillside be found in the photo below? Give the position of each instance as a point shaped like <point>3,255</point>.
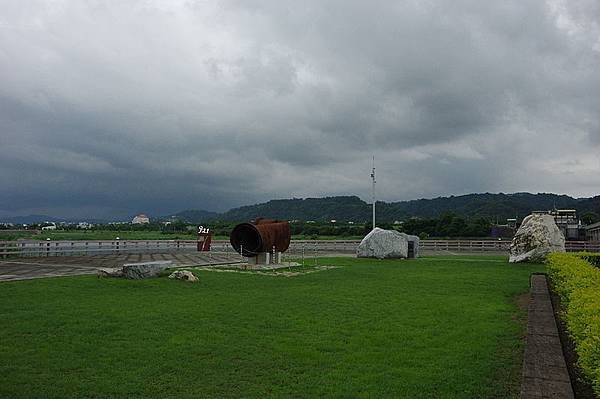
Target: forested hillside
<point>318,209</point>
<point>350,208</point>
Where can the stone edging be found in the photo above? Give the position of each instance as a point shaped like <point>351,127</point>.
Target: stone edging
<point>545,372</point>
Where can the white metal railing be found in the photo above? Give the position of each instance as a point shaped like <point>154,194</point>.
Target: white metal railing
<point>34,248</point>
<point>465,245</point>
<point>582,246</point>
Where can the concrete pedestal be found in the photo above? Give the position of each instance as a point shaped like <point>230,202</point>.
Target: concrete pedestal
<point>265,259</point>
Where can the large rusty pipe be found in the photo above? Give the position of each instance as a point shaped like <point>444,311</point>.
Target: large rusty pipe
<point>263,235</point>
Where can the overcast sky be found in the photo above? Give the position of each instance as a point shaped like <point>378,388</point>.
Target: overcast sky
<point>109,108</point>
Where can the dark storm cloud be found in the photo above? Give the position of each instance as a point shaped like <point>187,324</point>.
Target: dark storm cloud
<point>158,106</point>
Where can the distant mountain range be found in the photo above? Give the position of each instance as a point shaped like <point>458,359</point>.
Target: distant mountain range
<point>351,208</point>
<point>195,216</point>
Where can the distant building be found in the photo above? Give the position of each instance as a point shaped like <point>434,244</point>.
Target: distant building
<point>567,222</point>
<point>140,219</point>
<point>592,232</point>
<point>50,227</point>
<point>84,225</point>
<point>504,230</point>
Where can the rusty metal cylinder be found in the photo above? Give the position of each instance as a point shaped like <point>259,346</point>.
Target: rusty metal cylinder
<point>264,235</point>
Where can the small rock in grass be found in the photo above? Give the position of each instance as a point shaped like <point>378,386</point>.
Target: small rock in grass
<point>110,272</point>
<point>185,275</point>
<point>137,271</point>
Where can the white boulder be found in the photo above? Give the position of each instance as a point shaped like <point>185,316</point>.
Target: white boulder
<point>381,244</point>
<point>537,237</point>
<point>185,275</point>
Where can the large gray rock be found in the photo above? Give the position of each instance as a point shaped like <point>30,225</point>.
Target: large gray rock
<point>381,244</point>
<point>537,237</point>
<point>137,271</point>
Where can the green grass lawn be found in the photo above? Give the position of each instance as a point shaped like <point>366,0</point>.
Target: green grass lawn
<point>429,328</point>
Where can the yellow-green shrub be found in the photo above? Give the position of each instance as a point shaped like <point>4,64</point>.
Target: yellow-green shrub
<point>577,283</point>
<point>593,258</point>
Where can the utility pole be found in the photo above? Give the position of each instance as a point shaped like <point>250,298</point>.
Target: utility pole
<point>373,179</point>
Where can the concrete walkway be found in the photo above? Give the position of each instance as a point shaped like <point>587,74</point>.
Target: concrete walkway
<point>57,266</point>
<point>545,372</point>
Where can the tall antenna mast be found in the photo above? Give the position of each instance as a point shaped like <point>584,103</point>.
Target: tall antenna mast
<point>373,178</point>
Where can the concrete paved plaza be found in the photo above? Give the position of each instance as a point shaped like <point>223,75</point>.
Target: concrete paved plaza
<point>56,266</point>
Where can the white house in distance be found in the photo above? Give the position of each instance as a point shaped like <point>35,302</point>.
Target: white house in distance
<point>140,219</point>
<point>49,226</point>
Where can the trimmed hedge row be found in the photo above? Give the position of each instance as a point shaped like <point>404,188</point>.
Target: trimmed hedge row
<point>577,283</point>
<point>593,258</point>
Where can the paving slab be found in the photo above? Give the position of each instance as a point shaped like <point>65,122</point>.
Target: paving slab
<point>545,372</point>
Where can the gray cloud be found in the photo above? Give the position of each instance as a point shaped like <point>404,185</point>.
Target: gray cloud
<point>110,109</point>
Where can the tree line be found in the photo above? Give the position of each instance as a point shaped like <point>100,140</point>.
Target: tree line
<point>447,225</point>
